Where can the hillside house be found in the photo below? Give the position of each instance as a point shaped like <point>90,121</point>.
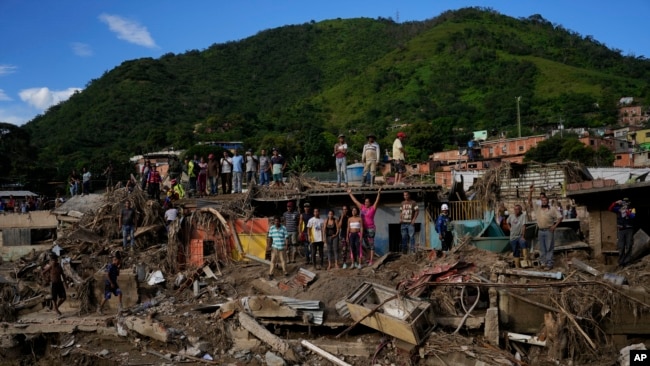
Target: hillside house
<point>632,115</point>
<point>490,154</point>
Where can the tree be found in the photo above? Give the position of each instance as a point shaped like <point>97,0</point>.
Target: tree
<point>560,148</point>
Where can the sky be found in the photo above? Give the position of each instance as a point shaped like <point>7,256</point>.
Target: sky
<point>50,49</point>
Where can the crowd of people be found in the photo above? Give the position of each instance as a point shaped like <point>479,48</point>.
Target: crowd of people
<point>232,171</point>
<point>81,183</point>
<point>27,204</point>
<point>346,240</point>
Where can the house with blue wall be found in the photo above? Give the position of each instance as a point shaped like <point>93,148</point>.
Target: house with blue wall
<point>388,234</point>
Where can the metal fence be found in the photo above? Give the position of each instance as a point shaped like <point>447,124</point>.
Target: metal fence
<point>462,210</point>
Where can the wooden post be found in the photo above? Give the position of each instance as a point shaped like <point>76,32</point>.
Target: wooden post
<point>322,352</point>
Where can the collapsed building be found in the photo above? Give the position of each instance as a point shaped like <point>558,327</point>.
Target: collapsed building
<point>195,290</point>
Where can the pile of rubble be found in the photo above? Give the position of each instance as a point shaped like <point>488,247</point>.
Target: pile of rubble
<point>469,307</point>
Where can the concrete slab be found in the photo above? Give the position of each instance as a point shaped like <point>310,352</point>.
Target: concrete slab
<point>48,322</point>
<point>492,325</point>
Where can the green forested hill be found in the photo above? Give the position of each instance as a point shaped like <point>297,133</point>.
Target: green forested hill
<point>298,86</point>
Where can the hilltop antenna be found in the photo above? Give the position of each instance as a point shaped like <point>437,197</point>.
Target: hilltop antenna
<point>397,16</point>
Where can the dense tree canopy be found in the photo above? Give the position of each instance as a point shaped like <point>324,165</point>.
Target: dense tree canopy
<point>561,148</point>
<point>296,87</point>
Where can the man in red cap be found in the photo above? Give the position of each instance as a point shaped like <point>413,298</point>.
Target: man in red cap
<point>399,157</point>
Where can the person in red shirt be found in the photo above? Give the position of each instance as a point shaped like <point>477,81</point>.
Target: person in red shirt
<point>153,183</point>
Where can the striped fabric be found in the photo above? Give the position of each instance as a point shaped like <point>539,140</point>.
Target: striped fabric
<point>278,237</point>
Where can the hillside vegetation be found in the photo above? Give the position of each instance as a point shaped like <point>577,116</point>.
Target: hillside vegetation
<point>296,87</point>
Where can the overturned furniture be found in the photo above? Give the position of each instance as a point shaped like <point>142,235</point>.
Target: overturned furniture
<point>382,308</point>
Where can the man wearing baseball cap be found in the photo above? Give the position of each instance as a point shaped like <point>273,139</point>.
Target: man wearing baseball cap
<point>625,216</point>
<point>370,158</point>
<point>399,157</point>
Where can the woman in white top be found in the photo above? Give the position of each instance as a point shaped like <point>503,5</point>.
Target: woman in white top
<point>355,232</point>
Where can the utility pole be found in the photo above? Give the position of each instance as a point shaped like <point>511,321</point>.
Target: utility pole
<point>518,115</point>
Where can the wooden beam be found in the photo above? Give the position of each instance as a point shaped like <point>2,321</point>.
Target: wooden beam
<point>267,337</point>
<point>330,357</point>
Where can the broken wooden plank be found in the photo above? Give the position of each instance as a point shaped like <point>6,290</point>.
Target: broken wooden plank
<point>369,313</point>
<point>158,354</point>
<point>384,258</point>
<point>584,267</point>
<point>454,322</point>
<point>528,273</point>
<point>524,338</point>
<point>267,337</point>
<point>31,302</point>
<point>330,357</point>
<point>343,348</point>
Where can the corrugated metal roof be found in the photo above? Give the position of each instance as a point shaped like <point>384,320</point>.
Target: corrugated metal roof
<point>373,190</point>
<point>301,280</point>
<point>296,303</point>
<point>17,193</point>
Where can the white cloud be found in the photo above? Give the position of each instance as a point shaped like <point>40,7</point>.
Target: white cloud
<point>4,97</point>
<point>128,30</point>
<point>81,49</point>
<point>43,98</point>
<point>15,117</point>
<point>7,69</point>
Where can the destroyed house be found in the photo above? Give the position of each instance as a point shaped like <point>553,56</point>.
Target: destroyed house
<point>388,234</point>
<point>602,222</point>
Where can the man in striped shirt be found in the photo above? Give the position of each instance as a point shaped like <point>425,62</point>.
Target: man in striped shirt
<point>291,221</point>
<point>277,238</point>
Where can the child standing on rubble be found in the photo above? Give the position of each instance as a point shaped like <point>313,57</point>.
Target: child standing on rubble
<point>57,281</point>
<point>110,284</point>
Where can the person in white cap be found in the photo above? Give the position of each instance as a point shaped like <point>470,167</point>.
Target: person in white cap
<point>443,228</point>
<point>370,157</point>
